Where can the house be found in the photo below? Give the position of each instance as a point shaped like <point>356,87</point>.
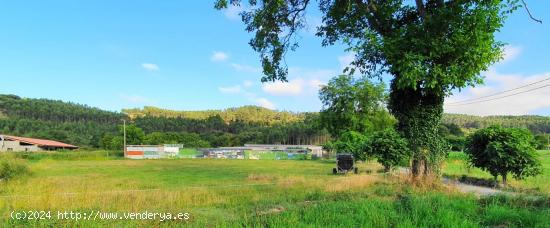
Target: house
<point>15,143</point>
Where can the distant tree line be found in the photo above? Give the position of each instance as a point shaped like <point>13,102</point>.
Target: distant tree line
<point>92,127</point>
<point>536,124</point>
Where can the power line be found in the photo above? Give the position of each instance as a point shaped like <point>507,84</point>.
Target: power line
<point>501,92</point>
<point>540,87</point>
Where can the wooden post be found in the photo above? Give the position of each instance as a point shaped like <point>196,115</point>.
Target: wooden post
<point>124,130</point>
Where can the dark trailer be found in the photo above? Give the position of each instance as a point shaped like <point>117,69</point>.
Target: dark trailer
<point>344,164</point>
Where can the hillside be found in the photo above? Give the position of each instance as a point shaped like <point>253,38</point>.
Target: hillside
<point>64,121</point>
<point>249,114</point>
<point>536,124</point>
<point>86,126</point>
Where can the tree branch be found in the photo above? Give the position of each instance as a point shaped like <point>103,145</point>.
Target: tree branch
<point>421,9</point>
<point>529,12</point>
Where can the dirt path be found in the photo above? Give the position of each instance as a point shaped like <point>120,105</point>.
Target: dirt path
<point>469,188</point>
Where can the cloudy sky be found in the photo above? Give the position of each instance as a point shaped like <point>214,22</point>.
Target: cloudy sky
<point>185,55</point>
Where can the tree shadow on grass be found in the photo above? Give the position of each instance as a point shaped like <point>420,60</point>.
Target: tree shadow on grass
<point>485,182</point>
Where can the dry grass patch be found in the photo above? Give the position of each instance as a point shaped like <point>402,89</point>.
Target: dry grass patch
<point>350,182</point>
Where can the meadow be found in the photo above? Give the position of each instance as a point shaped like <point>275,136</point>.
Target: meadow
<point>275,193</point>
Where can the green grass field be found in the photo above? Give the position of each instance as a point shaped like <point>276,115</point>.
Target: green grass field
<point>236,193</point>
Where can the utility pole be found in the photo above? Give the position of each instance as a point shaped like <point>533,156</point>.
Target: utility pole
<point>124,130</point>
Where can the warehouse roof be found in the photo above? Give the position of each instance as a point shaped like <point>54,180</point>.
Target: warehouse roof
<point>40,142</point>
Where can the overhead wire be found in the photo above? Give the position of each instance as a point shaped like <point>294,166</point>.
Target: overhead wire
<point>501,92</point>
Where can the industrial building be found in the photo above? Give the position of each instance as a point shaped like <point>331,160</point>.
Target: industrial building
<point>152,151</point>
<point>265,151</point>
<point>248,151</point>
<point>18,144</point>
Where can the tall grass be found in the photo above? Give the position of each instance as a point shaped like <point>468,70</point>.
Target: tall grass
<point>236,193</point>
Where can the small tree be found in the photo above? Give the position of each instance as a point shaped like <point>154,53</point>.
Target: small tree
<point>352,142</point>
<point>388,147</point>
<point>501,151</point>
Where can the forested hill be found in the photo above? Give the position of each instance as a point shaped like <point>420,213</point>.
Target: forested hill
<point>248,114</point>
<point>537,124</point>
<point>55,110</point>
<point>90,127</point>
<point>68,122</point>
<point>87,126</point>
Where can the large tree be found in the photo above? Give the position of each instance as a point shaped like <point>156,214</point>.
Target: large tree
<point>354,105</point>
<point>428,47</point>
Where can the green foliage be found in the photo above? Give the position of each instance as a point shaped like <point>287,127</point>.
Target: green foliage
<point>536,124</point>
<point>388,147</point>
<point>134,134</point>
<point>419,113</point>
<point>456,143</point>
<point>90,127</point>
<point>503,151</point>
<point>429,50</point>
<point>11,168</point>
<point>542,141</point>
<point>216,132</point>
<point>49,119</point>
<point>354,105</point>
<point>247,114</point>
<point>352,142</point>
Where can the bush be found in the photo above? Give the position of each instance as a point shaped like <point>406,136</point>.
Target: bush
<point>352,142</point>
<point>502,151</point>
<point>388,147</point>
<point>11,168</point>
<point>456,143</point>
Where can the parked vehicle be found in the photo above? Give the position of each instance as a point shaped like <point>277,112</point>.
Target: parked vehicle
<point>345,164</point>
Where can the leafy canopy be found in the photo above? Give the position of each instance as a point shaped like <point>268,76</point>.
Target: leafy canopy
<point>501,151</point>
<point>388,147</point>
<point>433,44</point>
<point>354,105</point>
<point>351,142</point>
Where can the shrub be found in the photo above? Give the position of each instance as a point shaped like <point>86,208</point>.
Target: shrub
<point>352,142</point>
<point>11,168</point>
<point>502,151</point>
<point>456,143</point>
<point>388,147</point>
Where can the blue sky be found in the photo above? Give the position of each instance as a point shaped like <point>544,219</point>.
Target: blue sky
<point>185,55</point>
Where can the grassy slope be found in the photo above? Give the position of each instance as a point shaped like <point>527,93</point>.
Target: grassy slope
<point>252,192</point>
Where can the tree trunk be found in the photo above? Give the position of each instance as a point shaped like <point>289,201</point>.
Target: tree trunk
<point>419,111</point>
<point>504,180</point>
<point>415,167</point>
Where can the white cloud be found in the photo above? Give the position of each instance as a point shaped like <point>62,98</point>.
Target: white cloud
<point>263,102</point>
<point>230,89</point>
<point>316,83</point>
<point>510,53</point>
<point>219,56</point>
<point>136,99</point>
<point>520,104</point>
<point>247,83</point>
<point>290,88</point>
<point>150,66</point>
<point>245,68</point>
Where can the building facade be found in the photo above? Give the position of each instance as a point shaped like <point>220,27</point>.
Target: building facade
<point>10,143</point>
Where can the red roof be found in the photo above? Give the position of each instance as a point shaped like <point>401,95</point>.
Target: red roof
<point>40,142</point>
